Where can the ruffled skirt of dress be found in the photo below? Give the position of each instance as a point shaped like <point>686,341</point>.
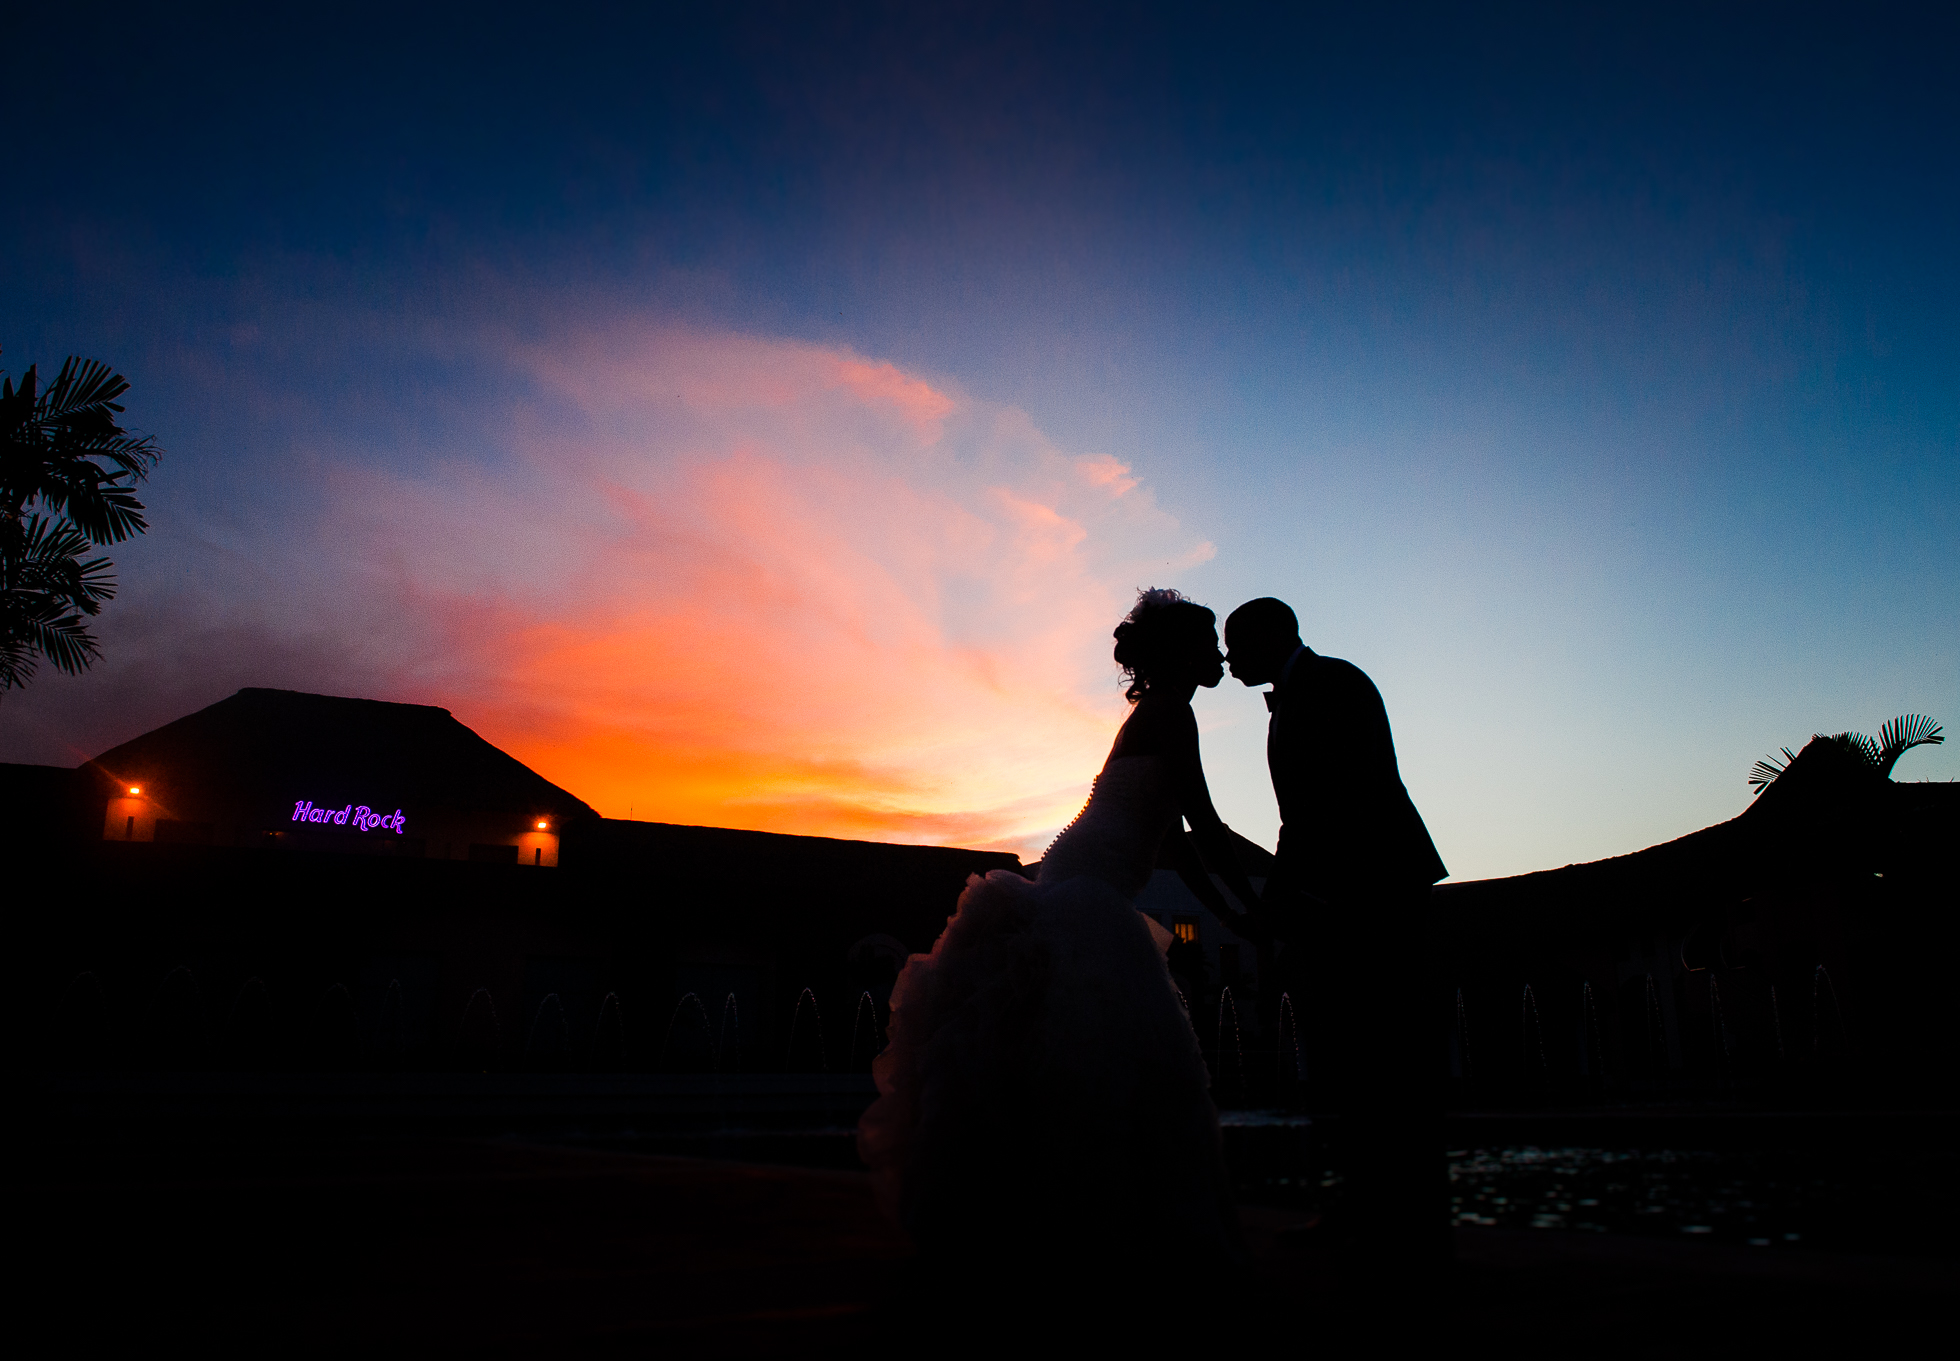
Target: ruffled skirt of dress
<point>1042,1094</point>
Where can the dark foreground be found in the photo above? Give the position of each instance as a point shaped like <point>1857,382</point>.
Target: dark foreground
<point>484,1247</point>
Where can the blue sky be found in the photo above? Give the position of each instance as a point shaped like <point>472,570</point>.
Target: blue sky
<point>1588,378</point>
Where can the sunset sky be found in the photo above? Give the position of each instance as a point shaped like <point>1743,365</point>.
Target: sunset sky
<point>762,419</point>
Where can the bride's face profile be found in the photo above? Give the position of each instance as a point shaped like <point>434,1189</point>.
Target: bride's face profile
<point>1203,665</point>
<point>1169,650</point>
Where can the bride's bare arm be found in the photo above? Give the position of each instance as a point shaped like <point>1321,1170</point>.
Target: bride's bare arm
<point>1184,858</point>
<point>1210,839</point>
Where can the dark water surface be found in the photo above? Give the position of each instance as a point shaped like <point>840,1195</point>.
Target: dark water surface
<point>1871,1200</point>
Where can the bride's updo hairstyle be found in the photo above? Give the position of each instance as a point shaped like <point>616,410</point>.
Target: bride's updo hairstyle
<point>1162,626</point>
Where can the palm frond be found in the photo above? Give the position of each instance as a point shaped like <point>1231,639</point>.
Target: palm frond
<point>47,593</point>
<point>1864,748</point>
<point>1881,753</point>
<point>64,448</point>
<point>24,394</point>
<point>44,630</point>
<point>1901,735</point>
<point>81,385</point>
<point>44,555</point>
<point>96,501</point>
<point>66,643</point>
<point>1764,772</point>
<point>95,581</point>
<point>67,475</point>
<point>16,663</point>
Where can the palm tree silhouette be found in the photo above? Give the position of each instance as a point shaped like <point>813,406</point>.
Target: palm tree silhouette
<point>1894,740</point>
<point>66,472</point>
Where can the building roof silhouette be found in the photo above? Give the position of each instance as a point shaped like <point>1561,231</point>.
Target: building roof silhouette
<point>260,746</point>
<point>1829,820</point>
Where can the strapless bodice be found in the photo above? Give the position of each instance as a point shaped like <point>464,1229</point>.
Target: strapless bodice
<point>1116,835</point>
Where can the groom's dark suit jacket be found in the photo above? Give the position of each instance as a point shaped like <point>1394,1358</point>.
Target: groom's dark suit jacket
<point>1348,830</point>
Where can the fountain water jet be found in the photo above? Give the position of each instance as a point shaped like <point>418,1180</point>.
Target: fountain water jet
<point>1592,1039</point>
<point>865,999</point>
<point>549,1033</point>
<point>674,1020</point>
<point>1286,1015</point>
<point>609,1035</point>
<point>1531,1030</point>
<point>789,1057</point>
<point>1224,1001</point>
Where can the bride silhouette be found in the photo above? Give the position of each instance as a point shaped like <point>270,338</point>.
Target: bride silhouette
<point>1044,1111</point>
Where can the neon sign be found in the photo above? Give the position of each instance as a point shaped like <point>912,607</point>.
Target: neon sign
<point>362,816</point>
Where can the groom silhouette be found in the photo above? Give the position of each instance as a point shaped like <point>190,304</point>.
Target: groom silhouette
<point>1348,897</point>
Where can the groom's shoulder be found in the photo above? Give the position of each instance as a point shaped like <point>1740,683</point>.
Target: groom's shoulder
<point>1338,677</point>
<point>1339,671</point>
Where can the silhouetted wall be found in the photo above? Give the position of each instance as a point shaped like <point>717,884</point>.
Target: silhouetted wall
<point>1803,951</point>
<point>187,956</point>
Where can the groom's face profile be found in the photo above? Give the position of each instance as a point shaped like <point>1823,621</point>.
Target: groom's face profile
<point>1256,654</point>
<point>1239,656</point>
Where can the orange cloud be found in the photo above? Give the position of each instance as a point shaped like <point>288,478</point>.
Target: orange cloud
<point>766,584</point>
<point>884,383</point>
<point>1101,470</point>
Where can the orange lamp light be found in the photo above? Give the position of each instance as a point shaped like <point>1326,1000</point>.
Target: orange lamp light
<point>136,789</point>
<point>541,825</point>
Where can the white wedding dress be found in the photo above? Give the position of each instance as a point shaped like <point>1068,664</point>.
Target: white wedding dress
<point>1043,1094</point>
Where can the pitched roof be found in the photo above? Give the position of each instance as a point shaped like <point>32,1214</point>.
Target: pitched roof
<point>1827,818</point>
<point>261,744</point>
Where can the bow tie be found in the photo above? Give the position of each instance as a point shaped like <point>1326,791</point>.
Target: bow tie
<point>1272,701</point>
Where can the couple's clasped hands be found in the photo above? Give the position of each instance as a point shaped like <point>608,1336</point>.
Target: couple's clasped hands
<point>1276,916</point>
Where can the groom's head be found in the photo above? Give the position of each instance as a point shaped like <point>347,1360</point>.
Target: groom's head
<point>1259,637</point>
